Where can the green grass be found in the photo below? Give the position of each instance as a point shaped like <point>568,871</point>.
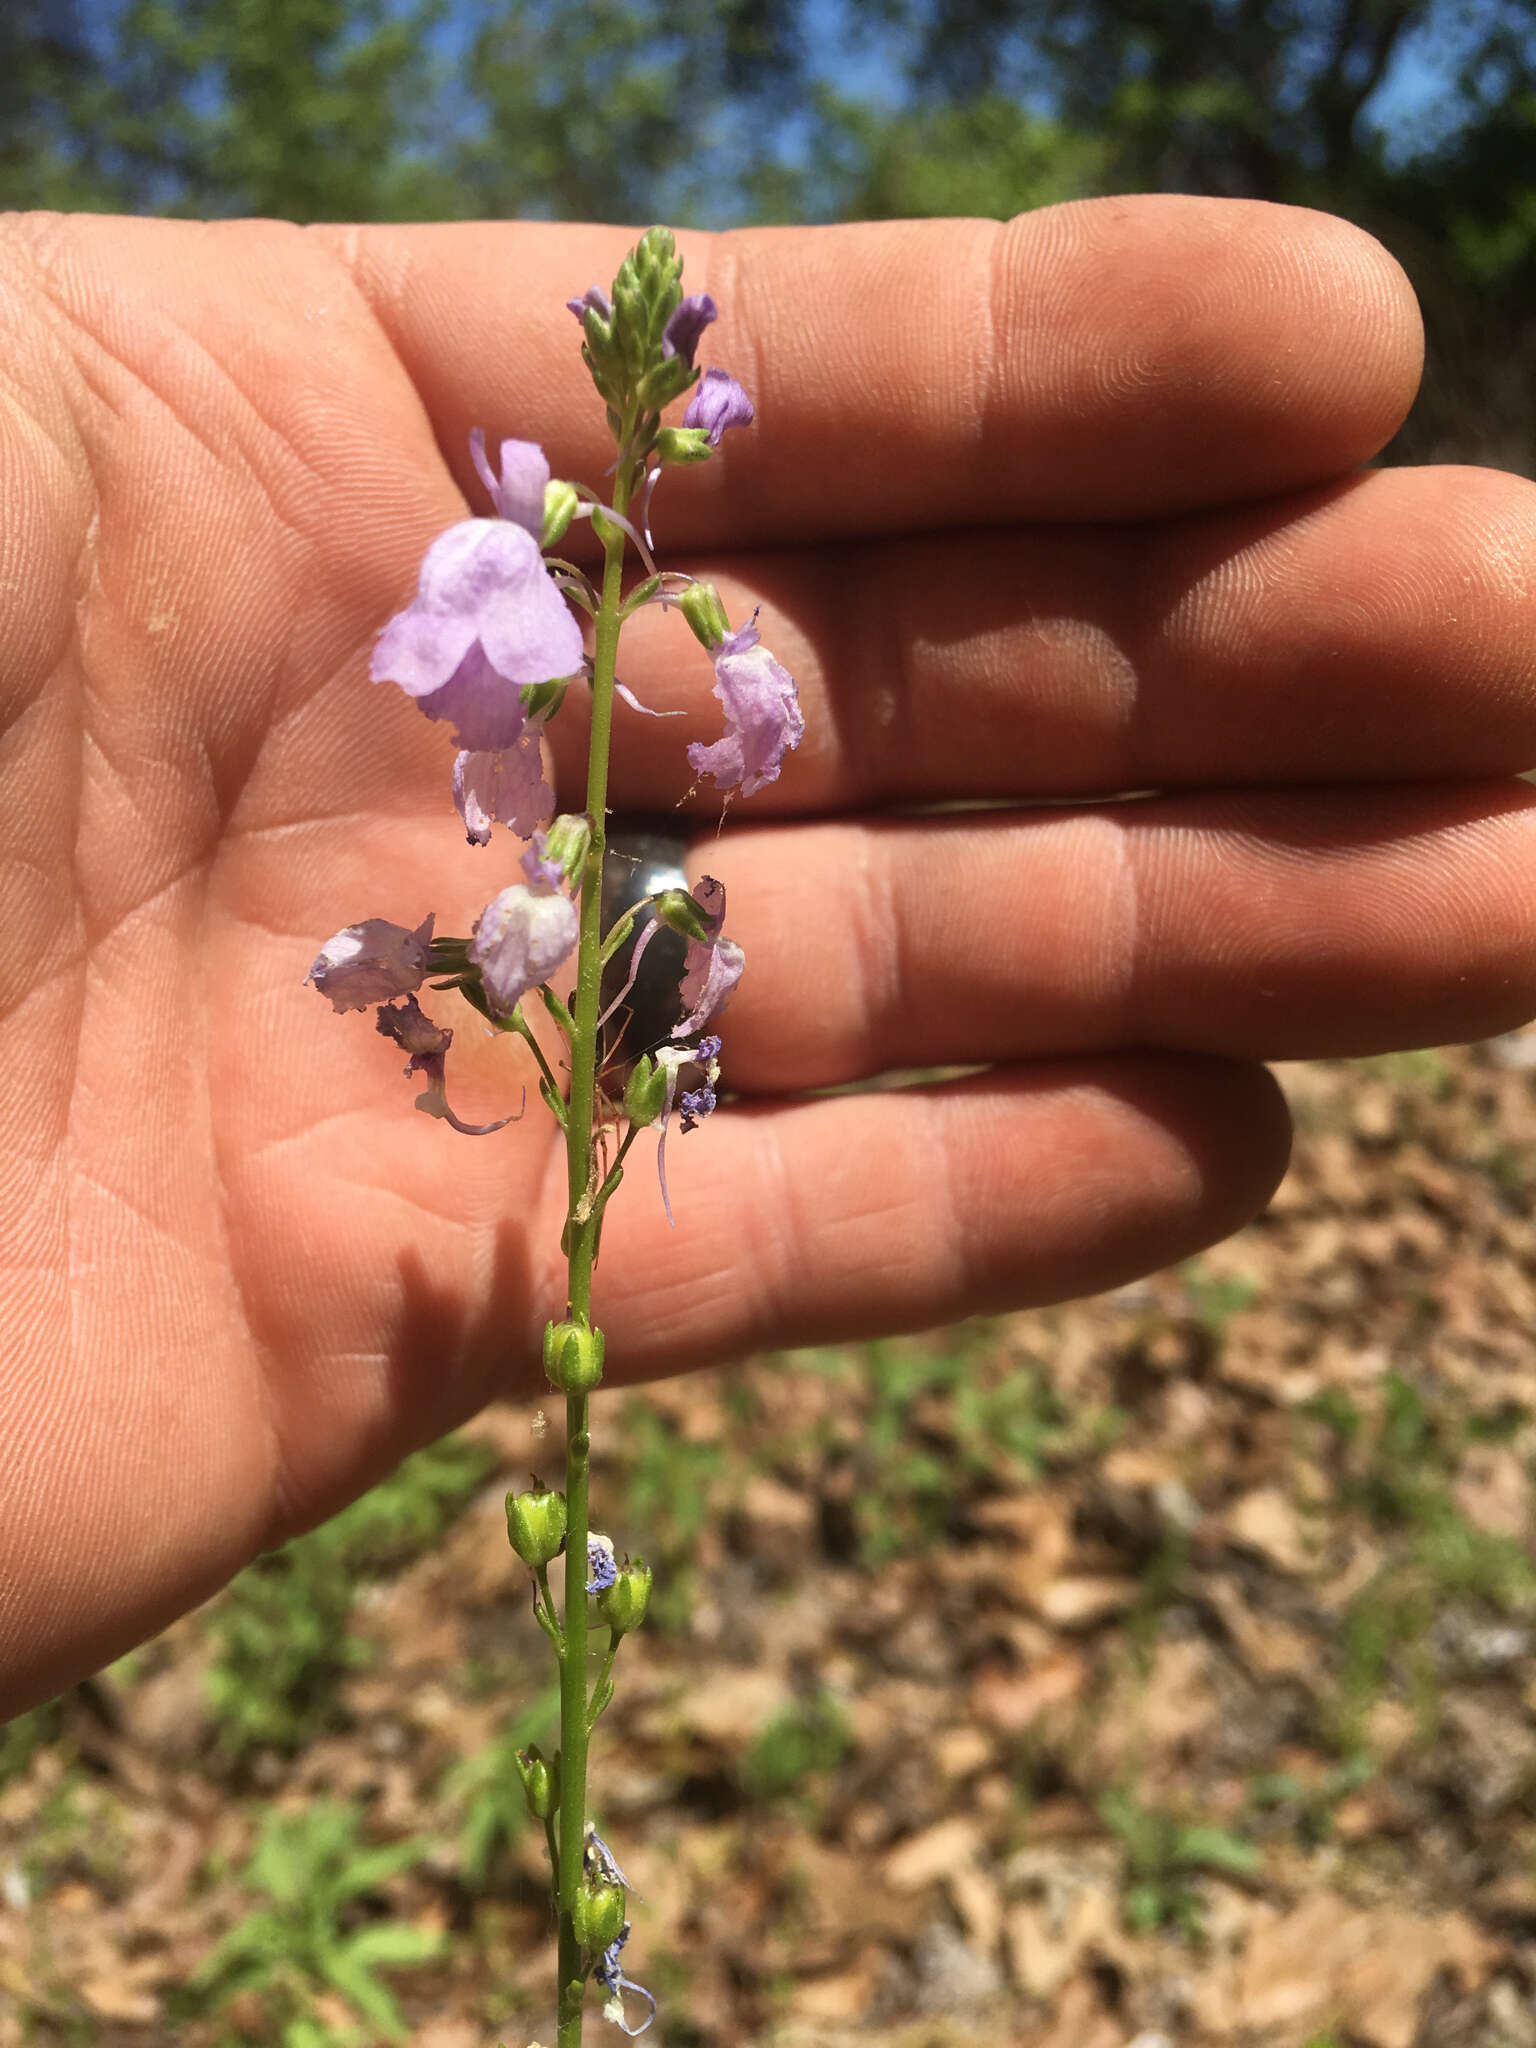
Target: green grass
<point>281,1628</point>
<point>1164,1857</point>
<point>314,1934</point>
<point>795,1747</point>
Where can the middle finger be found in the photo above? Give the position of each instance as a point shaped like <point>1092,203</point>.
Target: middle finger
<point>1268,925</point>
<point>1378,629</point>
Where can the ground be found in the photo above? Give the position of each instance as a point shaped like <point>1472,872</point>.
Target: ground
<point>1155,1671</point>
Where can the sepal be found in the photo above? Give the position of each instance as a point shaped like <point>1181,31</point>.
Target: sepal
<point>573,1357</point>
<point>623,1604</point>
<point>560,506</point>
<point>682,444</point>
<point>597,1914</point>
<point>704,609</point>
<point>540,1781</point>
<point>645,1092</point>
<point>536,1525</point>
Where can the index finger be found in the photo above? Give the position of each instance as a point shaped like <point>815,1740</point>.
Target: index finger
<point>1115,358</point>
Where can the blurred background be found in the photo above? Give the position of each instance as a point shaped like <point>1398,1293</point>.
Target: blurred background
<point>1158,1672</point>
<point>1416,118</point>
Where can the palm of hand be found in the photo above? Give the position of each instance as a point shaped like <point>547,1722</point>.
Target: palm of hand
<point>242,1277</point>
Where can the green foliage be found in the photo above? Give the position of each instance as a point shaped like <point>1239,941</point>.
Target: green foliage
<point>487,1791</point>
<point>281,1628</point>
<point>624,109</point>
<point>303,109</point>
<point>807,1738</point>
<point>670,1489</point>
<point>988,157</point>
<point>1306,1806</point>
<point>314,1935</point>
<point>1216,1297</point>
<point>940,1414</point>
<point>1404,1467</point>
<point>1164,1856</point>
<point>21,1739</point>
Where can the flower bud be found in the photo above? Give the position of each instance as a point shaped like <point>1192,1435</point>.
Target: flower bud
<point>701,605</point>
<point>560,502</point>
<point>664,381</point>
<point>566,842</point>
<point>645,1092</point>
<point>682,444</point>
<point>536,1525</point>
<point>543,700</point>
<point>680,912</point>
<point>622,1605</point>
<point>597,1917</point>
<point>540,1781</point>
<point>573,1357</point>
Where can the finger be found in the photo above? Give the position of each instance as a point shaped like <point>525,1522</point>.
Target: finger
<point>811,1222</point>
<point>1111,358</point>
<point>1271,926</point>
<point>1381,629</point>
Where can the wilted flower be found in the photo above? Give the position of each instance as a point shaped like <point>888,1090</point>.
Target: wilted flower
<point>697,1102</point>
<point>711,969</point>
<point>609,1972</point>
<point>414,1032</point>
<point>520,938</point>
<point>762,716</point>
<point>518,493</point>
<point>507,787</point>
<point>371,962</point>
<point>717,403</point>
<point>601,1563</point>
<point>486,623</point>
<point>681,336</point>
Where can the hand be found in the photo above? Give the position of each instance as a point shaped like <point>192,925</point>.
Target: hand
<point>1064,510</point>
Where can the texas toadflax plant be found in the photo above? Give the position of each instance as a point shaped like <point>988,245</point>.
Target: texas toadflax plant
<point>489,646</point>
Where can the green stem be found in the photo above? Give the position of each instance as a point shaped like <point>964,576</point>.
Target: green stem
<point>598,1702</point>
<point>581,1231</point>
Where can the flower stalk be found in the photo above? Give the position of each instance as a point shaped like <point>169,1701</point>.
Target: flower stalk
<point>490,647</point>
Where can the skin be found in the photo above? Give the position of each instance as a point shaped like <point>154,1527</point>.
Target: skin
<point>1066,509</point>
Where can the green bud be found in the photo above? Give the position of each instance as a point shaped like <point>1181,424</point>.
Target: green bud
<point>567,841</point>
<point>664,381</point>
<point>573,1357</point>
<point>679,912</point>
<point>701,605</point>
<point>682,444</point>
<point>645,1092</point>
<point>540,1780</point>
<point>597,1917</point>
<point>536,1524</point>
<point>544,699</point>
<point>560,502</point>
<point>622,1605</point>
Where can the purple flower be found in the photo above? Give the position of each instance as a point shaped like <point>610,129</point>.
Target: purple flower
<point>697,1102</point>
<point>518,493</point>
<point>711,969</point>
<point>681,336</point>
<point>506,788</point>
<point>485,623</point>
<point>594,297</point>
<point>371,962</point>
<point>603,1566</point>
<point>520,938</point>
<point>414,1032</point>
<point>718,403</point>
<point>762,716</point>
<point>538,865</point>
